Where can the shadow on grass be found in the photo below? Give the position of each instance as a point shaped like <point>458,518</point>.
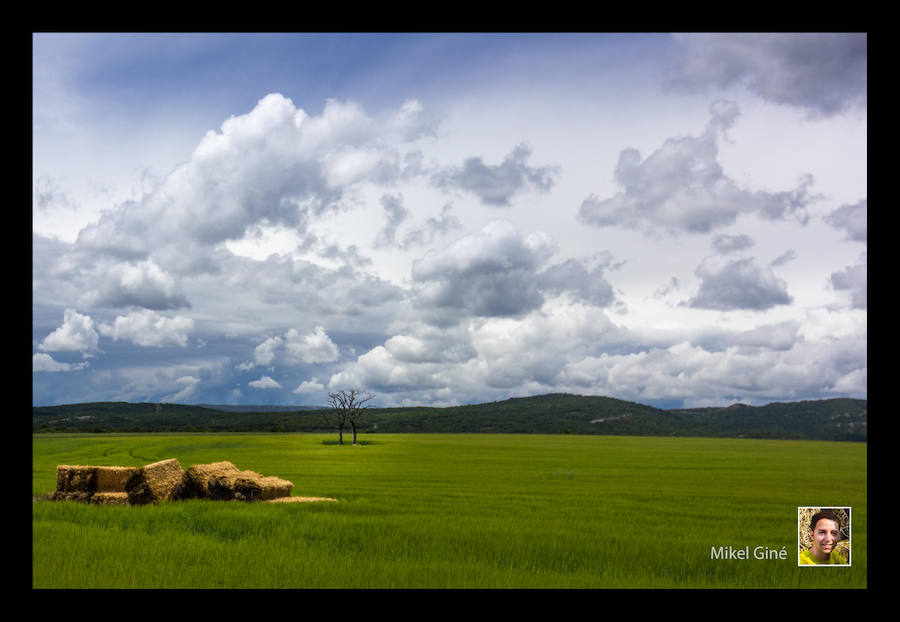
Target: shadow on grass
<point>349,444</point>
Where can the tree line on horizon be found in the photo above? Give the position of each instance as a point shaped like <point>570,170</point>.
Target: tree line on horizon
<point>837,419</point>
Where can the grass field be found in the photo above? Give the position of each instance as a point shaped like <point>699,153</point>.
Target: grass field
<point>456,511</point>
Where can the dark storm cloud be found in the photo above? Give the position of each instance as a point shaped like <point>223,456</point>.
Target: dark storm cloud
<point>739,284</point>
<point>496,184</point>
<point>825,73</point>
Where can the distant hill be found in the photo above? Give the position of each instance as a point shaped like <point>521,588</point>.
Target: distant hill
<point>839,419</point>
<point>259,409</point>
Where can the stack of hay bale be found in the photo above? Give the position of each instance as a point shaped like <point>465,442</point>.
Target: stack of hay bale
<point>103,485</point>
<point>223,481</point>
<point>165,481</point>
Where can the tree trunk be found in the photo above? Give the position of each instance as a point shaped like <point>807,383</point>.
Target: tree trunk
<point>353,427</point>
<point>340,435</point>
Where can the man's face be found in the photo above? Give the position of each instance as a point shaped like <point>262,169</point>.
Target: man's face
<point>825,537</point>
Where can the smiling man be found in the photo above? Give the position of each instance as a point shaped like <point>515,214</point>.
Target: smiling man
<point>825,530</point>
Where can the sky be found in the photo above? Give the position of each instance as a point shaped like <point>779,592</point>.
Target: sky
<point>678,220</point>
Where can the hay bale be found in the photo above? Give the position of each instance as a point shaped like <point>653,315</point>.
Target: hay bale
<point>81,483</point>
<point>76,479</point>
<point>154,482</point>
<point>195,483</point>
<point>240,485</point>
<point>226,484</point>
<point>218,481</point>
<point>275,487</point>
<point>219,488</point>
<point>110,498</point>
<point>261,488</point>
<point>113,478</point>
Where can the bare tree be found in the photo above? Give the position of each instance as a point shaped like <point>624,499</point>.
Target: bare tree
<point>346,407</point>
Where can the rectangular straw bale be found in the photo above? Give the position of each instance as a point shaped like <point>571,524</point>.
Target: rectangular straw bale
<point>195,482</point>
<point>274,487</point>
<point>222,481</point>
<point>250,486</point>
<point>71,478</point>
<point>110,498</point>
<point>221,486</point>
<point>162,477</point>
<point>113,478</point>
<point>155,482</point>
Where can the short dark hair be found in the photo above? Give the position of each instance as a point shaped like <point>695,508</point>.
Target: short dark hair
<point>823,514</point>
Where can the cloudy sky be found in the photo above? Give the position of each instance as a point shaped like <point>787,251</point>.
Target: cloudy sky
<point>678,220</point>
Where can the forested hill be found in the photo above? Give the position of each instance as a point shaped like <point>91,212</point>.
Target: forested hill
<point>837,419</point>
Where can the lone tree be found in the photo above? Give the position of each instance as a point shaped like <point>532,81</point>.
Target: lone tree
<point>346,407</point>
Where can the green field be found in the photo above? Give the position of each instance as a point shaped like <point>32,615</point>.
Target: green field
<point>456,511</point>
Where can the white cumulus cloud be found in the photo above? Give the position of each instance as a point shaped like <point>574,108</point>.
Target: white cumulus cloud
<point>265,352</point>
<point>76,334</point>
<point>316,347</point>
<point>265,382</point>
<point>309,386</point>
<point>148,328</point>
<point>45,362</point>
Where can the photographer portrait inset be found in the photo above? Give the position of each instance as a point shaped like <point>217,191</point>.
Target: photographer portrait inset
<point>823,536</point>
